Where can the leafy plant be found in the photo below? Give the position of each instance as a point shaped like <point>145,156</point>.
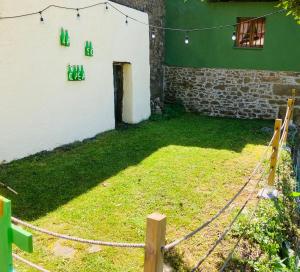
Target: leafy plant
<point>273,231</point>
<point>292,7</point>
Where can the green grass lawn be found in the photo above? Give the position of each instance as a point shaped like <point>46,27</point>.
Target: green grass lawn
<point>186,168</point>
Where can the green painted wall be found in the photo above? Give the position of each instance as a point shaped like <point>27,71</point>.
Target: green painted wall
<point>214,48</point>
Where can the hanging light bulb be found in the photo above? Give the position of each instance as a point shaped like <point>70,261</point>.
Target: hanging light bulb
<point>41,19</point>
<point>233,36</point>
<point>78,14</point>
<point>153,36</point>
<point>106,6</point>
<point>126,20</point>
<point>186,39</point>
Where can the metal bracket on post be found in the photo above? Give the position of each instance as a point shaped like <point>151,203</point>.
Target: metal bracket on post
<point>270,191</point>
<point>11,234</point>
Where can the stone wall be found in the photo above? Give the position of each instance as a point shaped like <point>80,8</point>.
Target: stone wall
<point>156,12</point>
<point>232,93</point>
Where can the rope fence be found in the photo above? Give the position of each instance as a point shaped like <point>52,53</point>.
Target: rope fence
<point>230,255</point>
<point>220,212</point>
<point>282,142</point>
<point>154,245</point>
<point>35,266</point>
<point>228,229</point>
<point>75,239</point>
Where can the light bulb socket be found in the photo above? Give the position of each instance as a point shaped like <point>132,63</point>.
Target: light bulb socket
<point>106,5</point>
<point>126,20</point>
<point>186,39</point>
<point>41,19</point>
<point>78,14</point>
<point>233,36</point>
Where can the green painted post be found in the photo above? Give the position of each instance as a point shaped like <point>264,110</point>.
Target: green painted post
<point>11,234</point>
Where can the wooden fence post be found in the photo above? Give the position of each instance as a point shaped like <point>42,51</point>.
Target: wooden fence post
<point>155,239</point>
<point>289,115</point>
<point>275,149</point>
<point>293,104</point>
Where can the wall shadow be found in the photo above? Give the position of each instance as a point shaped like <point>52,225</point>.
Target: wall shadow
<point>50,179</point>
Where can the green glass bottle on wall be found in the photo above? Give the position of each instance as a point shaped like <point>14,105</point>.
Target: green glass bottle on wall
<point>86,49</point>
<point>91,49</point>
<point>67,38</point>
<point>62,37</point>
<point>79,73</point>
<point>70,73</point>
<point>75,73</point>
<point>82,73</point>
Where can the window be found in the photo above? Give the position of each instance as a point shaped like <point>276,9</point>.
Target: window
<point>250,33</point>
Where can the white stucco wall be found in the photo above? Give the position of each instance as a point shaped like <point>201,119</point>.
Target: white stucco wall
<point>39,108</point>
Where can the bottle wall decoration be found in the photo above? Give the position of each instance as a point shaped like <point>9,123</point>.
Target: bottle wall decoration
<point>64,37</point>
<point>89,51</point>
<point>76,73</point>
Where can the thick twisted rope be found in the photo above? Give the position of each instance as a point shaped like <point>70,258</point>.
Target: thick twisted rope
<point>221,238</point>
<point>8,188</point>
<point>35,266</point>
<point>285,119</point>
<point>76,239</point>
<point>220,212</point>
<point>240,238</point>
<point>229,257</point>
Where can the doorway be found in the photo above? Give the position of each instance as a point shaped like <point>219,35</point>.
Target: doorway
<point>118,92</point>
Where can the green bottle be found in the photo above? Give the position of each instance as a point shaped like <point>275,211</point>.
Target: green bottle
<point>75,73</point>
<point>70,73</point>
<point>62,36</point>
<point>91,50</point>
<point>86,49</point>
<point>67,38</point>
<point>82,73</point>
<point>79,73</point>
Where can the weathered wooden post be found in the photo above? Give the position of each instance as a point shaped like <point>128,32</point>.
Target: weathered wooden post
<point>275,151</point>
<point>289,116</point>
<point>155,240</point>
<point>10,234</point>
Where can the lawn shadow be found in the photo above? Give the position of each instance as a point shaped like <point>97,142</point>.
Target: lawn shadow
<point>50,179</point>
<point>175,260</point>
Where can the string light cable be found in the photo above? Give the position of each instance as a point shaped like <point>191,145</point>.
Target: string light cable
<point>187,30</point>
<point>128,17</point>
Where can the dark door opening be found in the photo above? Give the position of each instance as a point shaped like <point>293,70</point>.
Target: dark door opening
<point>119,92</point>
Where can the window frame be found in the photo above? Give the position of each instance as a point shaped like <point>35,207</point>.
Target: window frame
<point>239,33</point>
